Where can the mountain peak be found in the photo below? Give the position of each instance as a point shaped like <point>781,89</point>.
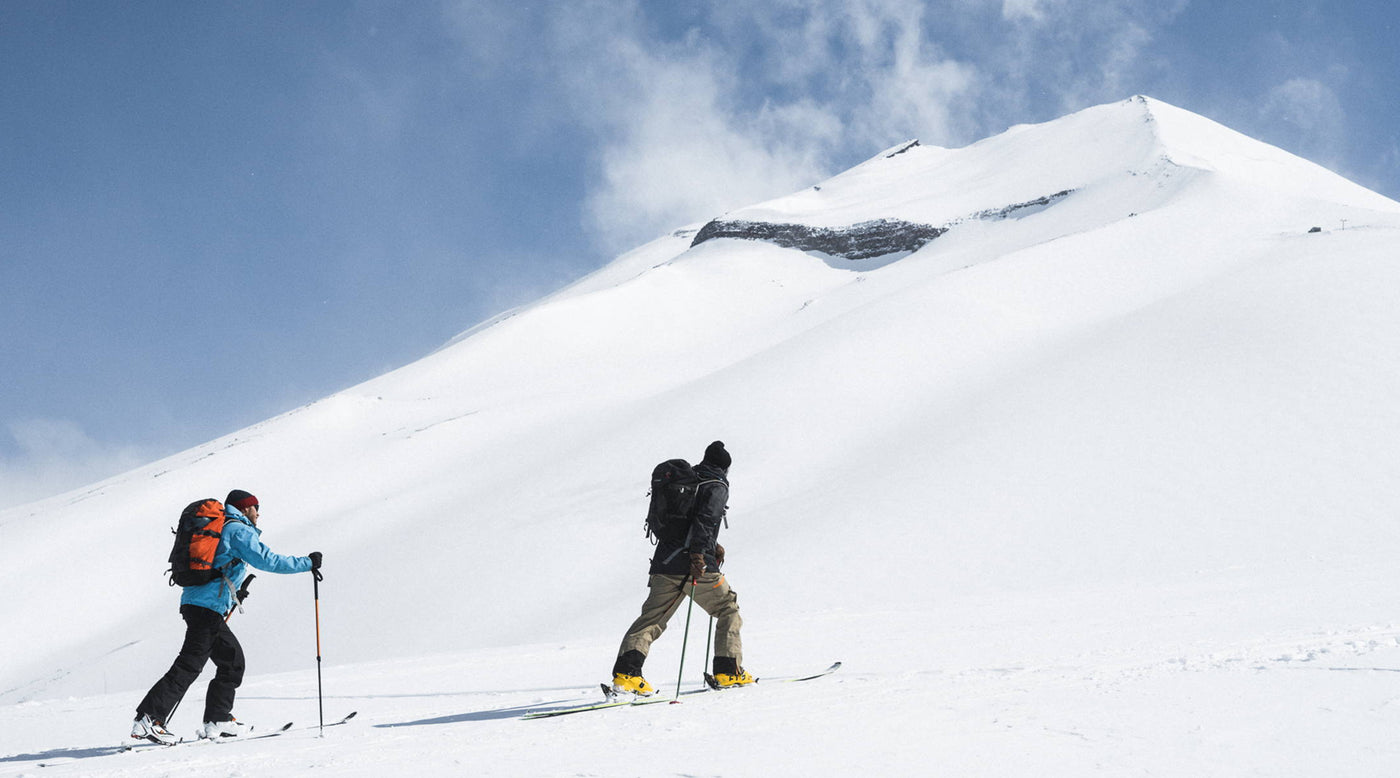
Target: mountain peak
<point>1135,153</point>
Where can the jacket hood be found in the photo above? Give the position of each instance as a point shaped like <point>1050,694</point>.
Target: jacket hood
<point>233,514</point>
<point>706,470</point>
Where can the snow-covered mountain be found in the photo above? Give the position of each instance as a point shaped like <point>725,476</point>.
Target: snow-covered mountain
<point>1070,443</point>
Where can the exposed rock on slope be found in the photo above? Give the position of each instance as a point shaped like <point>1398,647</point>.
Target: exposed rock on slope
<point>866,240</point>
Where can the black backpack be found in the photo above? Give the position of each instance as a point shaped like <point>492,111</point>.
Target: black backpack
<point>674,485</point>
<point>196,541</point>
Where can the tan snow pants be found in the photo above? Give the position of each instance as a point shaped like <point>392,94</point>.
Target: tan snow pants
<point>668,592</point>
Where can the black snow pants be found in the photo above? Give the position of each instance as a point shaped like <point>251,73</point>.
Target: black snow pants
<point>207,637</point>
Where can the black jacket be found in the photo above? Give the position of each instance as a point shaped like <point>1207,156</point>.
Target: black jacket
<point>711,500</point>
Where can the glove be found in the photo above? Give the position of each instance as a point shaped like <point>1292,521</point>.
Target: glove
<point>719,554</point>
<point>697,565</point>
<point>242,593</point>
<point>315,564</point>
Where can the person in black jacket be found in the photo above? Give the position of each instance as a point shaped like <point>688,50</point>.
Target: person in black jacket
<point>689,567</point>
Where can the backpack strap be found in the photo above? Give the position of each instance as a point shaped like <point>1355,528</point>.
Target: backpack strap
<point>227,585</point>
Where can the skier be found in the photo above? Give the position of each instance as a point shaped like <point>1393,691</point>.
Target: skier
<point>689,567</point>
<point>205,609</point>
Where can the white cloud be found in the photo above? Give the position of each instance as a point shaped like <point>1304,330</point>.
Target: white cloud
<point>914,89</point>
<point>1122,58</point>
<point>1022,10</point>
<point>54,456</point>
<point>1064,55</point>
<point>685,115</point>
<point>685,159</point>
<point>673,146</point>
<point>1307,116</point>
<point>487,31</point>
<point>759,103</point>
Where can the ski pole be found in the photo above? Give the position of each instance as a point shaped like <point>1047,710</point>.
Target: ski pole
<point>709,633</point>
<point>691,607</point>
<point>320,703</point>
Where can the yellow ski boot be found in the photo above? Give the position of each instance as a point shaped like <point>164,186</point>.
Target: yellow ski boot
<point>726,680</point>
<point>632,684</point>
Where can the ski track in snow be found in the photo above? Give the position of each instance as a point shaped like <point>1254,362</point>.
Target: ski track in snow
<point>1065,717</point>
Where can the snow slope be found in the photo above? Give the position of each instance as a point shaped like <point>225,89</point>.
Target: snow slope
<point>1104,484</point>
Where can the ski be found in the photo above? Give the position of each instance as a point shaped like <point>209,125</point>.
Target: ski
<point>146,743</point>
<point>260,736</point>
<point>285,728</point>
<point>612,698</point>
<point>714,684</point>
<point>282,730</point>
<point>348,716</point>
<point>202,739</point>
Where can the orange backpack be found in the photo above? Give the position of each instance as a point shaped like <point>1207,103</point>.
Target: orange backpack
<point>196,542</point>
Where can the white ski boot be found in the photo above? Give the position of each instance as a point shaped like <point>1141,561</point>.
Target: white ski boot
<point>215,730</point>
<point>146,728</point>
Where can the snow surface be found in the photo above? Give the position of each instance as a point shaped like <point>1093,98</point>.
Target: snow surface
<point>1102,487</point>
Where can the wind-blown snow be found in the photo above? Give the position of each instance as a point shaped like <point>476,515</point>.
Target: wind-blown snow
<point>1107,485</point>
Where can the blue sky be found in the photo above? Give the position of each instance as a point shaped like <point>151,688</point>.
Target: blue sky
<point>212,212</point>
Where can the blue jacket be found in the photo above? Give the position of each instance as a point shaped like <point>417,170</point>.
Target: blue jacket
<point>241,545</point>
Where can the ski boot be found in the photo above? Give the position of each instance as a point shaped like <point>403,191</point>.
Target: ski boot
<point>216,730</point>
<point>728,673</point>
<point>726,680</point>
<point>146,728</point>
<point>632,684</point>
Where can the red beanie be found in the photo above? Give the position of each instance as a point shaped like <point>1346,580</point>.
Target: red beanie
<point>241,500</point>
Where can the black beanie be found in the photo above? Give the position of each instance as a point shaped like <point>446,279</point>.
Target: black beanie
<point>241,500</point>
<point>716,455</point>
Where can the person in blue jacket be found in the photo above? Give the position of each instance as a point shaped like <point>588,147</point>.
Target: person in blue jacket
<point>205,609</point>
